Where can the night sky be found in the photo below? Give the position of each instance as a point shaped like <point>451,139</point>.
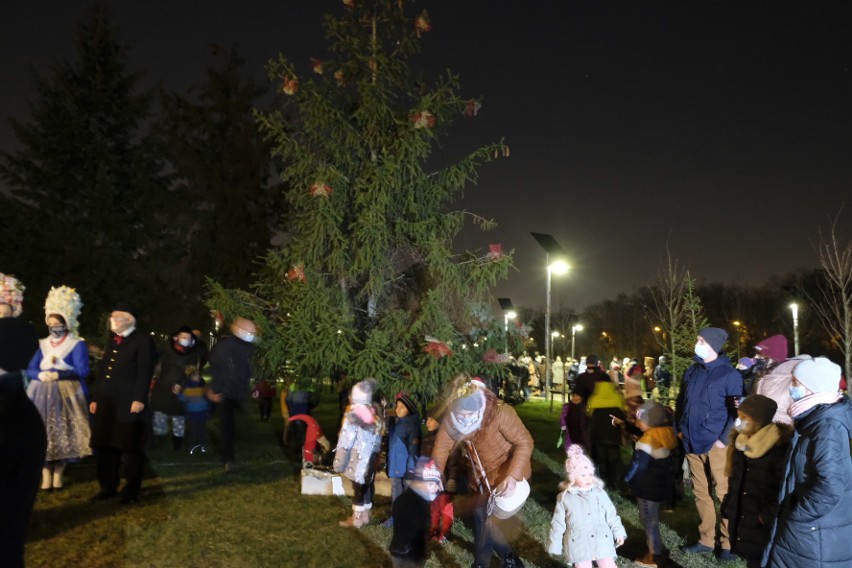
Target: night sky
<point>723,129</point>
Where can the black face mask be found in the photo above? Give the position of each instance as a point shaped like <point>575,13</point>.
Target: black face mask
<point>57,331</point>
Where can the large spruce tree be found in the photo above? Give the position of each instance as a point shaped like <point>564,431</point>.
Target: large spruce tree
<point>367,280</point>
<point>224,201</point>
<point>84,183</point>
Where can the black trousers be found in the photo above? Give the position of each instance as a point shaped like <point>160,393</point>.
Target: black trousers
<point>227,428</point>
<point>607,458</point>
<point>23,444</point>
<point>264,406</point>
<point>488,534</point>
<point>109,462</point>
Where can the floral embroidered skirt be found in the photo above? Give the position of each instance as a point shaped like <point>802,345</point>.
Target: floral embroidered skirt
<point>65,412</point>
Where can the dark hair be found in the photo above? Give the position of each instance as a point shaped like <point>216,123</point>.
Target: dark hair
<point>60,317</point>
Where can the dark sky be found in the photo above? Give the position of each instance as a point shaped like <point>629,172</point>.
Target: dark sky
<point>723,129</point>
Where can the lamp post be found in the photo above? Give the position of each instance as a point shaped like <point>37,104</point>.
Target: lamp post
<point>574,329</point>
<point>508,314</point>
<point>794,307</point>
<point>558,266</point>
<point>738,325</point>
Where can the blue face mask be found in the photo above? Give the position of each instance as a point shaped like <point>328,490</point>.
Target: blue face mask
<point>797,393</point>
<point>703,350</point>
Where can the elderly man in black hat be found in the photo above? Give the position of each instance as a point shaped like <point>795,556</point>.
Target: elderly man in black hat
<point>118,406</point>
<point>706,410</point>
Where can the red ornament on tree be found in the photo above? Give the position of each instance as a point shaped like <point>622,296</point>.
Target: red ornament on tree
<point>471,108</point>
<point>317,65</point>
<point>422,24</point>
<point>320,189</point>
<point>495,252</point>
<point>297,272</point>
<point>423,119</point>
<point>491,356</point>
<point>437,348</point>
<point>289,85</point>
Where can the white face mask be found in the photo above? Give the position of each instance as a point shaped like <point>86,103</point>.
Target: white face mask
<point>703,350</point>
<point>246,336</point>
<point>117,326</point>
<point>185,342</point>
<point>741,425</point>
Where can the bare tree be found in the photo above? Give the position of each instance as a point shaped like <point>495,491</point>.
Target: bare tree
<point>668,309</point>
<point>834,303</point>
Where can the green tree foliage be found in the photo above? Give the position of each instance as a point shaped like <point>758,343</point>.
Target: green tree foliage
<point>84,183</point>
<point>368,269</point>
<point>224,202</point>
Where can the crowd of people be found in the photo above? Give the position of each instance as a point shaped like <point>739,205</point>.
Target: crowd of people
<point>767,438</point>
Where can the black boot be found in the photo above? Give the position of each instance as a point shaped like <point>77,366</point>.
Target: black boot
<point>511,560</point>
<point>177,441</point>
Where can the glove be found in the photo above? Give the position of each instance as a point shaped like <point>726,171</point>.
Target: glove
<point>48,376</point>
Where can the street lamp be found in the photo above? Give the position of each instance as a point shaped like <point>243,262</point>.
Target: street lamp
<point>794,307</point>
<point>558,267</point>
<point>574,329</point>
<point>508,314</point>
<point>739,326</point>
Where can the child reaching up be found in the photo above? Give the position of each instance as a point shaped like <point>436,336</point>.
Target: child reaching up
<point>585,525</point>
<point>651,475</point>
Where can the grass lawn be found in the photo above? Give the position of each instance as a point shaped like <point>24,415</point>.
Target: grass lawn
<point>192,514</point>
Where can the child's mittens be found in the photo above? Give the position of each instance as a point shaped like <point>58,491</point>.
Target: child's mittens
<point>619,541</point>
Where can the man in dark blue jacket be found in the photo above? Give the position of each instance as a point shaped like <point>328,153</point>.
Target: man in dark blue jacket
<point>230,367</point>
<point>706,410</point>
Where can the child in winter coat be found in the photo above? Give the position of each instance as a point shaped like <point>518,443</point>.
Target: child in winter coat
<point>196,409</point>
<point>441,508</point>
<point>585,523</point>
<point>403,444</point>
<point>650,475</point>
<point>411,509</point>
<point>756,460</point>
<point>575,423</point>
<point>357,450</point>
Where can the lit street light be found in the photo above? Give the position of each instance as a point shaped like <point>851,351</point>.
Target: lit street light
<point>508,314</point>
<point>739,327</point>
<point>558,267</point>
<point>794,307</point>
<point>574,329</point>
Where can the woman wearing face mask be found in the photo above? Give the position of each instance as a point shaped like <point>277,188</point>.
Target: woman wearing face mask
<point>58,371</point>
<point>814,524</point>
<point>756,458</point>
<point>182,352</point>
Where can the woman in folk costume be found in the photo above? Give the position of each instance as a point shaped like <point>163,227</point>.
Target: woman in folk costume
<point>58,371</point>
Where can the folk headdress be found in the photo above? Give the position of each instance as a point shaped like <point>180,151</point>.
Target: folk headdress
<point>66,302</point>
<point>12,293</point>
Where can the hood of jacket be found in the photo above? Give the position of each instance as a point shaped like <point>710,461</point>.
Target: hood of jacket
<point>840,411</point>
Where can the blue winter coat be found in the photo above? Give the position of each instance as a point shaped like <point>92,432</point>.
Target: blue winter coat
<point>403,445</point>
<point>814,526</point>
<point>705,409</point>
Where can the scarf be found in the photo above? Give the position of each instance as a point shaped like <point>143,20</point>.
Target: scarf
<point>467,428</point>
<point>803,405</point>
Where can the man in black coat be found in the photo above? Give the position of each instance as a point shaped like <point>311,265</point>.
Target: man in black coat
<point>23,441</point>
<point>585,382</point>
<point>230,367</point>
<point>119,421</point>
